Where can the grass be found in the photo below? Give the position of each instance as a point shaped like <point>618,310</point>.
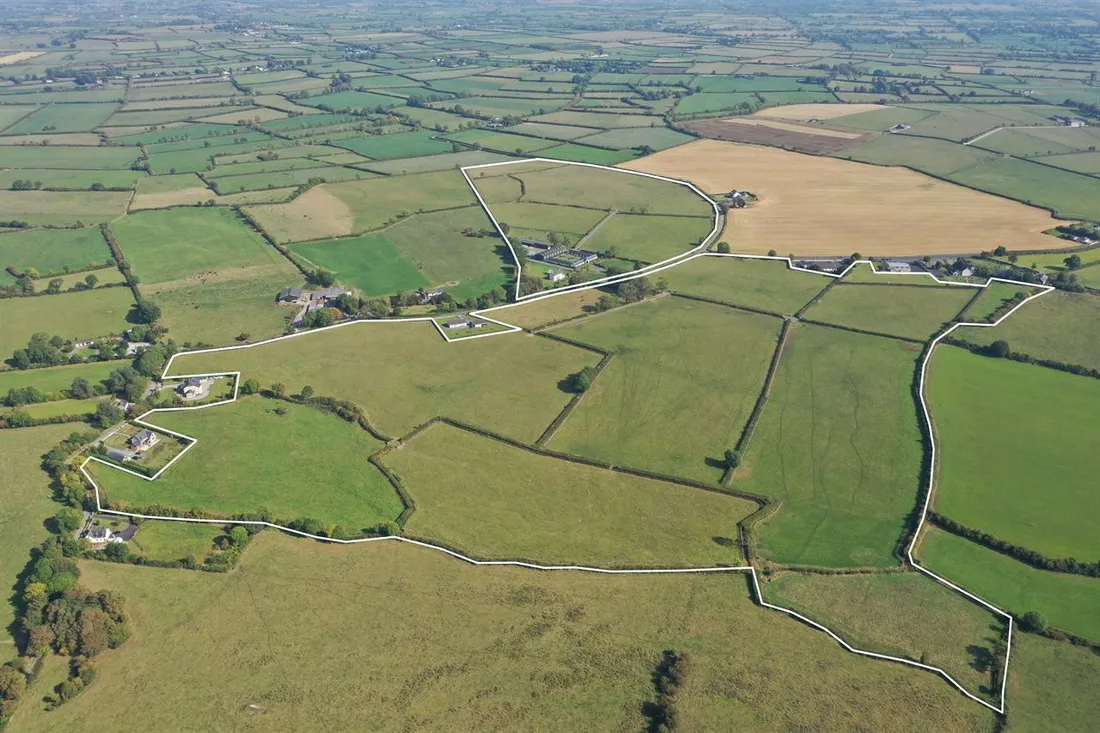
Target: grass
<point>64,118</point>
<point>55,379</point>
<point>286,178</point>
<point>503,502</point>
<point>763,284</point>
<point>480,648</point>
<point>428,163</point>
<point>55,208</point>
<point>72,158</point>
<point>563,219</point>
<point>404,374</point>
<point>586,154</point>
<point>1058,326</point>
<point>838,444</point>
<point>898,310</point>
<point>250,457</point>
<point>92,313</point>
<point>1066,601</point>
<point>500,141</point>
<point>400,145</point>
<point>26,504</point>
<point>71,180</point>
<point>600,120</point>
<point>685,377</point>
<point>369,263</point>
<point>53,250</point>
<point>61,407</point>
<point>657,138</point>
<point>1051,685</point>
<point>573,185</point>
<point>875,613</point>
<point>542,312</point>
<point>1069,195</point>
<point>171,541</point>
<point>1006,429</point>
<point>209,310</point>
<point>648,238</point>
<point>173,244</point>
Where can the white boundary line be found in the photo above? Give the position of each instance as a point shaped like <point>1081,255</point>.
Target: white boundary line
<point>1042,290</point>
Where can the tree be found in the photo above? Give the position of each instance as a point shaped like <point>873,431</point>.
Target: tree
<point>279,390</point>
<point>1000,251</point>
<point>582,380</point>
<point>146,311</point>
<point>117,551</point>
<point>323,277</point>
<point>307,392</point>
<point>1073,262</point>
<point>54,286</point>
<point>251,386</point>
<point>81,389</point>
<point>67,520</point>
<point>151,361</point>
<point>1033,621</point>
<point>239,536</point>
<point>733,459</point>
<point>999,349</point>
<point>724,248</point>
<point>107,414</point>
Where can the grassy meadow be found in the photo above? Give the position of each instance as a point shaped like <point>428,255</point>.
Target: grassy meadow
<point>764,284</point>
<point>648,238</point>
<point>250,457</point>
<point>1006,430</point>
<point>677,394</point>
<point>454,646</point>
<point>875,613</point>
<point>898,310</point>
<point>55,379</point>
<point>172,541</point>
<point>88,314</point>
<point>501,502</point>
<point>572,185</point>
<point>1066,601</point>
<point>839,445</point>
<point>1051,685</point>
<point>54,250</point>
<point>403,374</point>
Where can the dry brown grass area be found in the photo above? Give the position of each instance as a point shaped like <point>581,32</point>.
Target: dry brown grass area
<point>15,58</point>
<point>316,214</point>
<point>822,206</point>
<point>816,111</point>
<point>792,127</point>
<point>196,194</point>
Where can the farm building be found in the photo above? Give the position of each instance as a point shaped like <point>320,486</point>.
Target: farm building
<point>555,276</point>
<point>558,254</point>
<point>895,266</point>
<point>144,440</point>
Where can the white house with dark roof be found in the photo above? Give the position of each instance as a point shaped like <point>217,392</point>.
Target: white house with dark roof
<point>144,440</point>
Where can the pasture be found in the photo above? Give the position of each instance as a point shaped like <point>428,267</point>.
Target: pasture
<point>876,613</point>
<point>27,504</point>
<point>906,311</point>
<point>403,374</point>
<point>173,541</point>
<point>571,185</point>
<point>1051,685</point>
<point>55,208</point>
<point>1058,326</point>
<point>648,238</point>
<point>249,457</point>
<point>497,635</point>
<point>543,312</point>
<point>761,284</point>
<point>677,394</point>
<point>994,301</point>
<point>55,379</point>
<point>370,263</point>
<point>88,314</point>
<point>173,244</point>
<point>64,118</point>
<point>1007,428</point>
<point>1066,601</point>
<point>72,158</point>
<point>53,251</point>
<point>839,445</point>
<point>502,502</point>
<point>901,212</point>
<point>67,180</point>
<point>400,145</point>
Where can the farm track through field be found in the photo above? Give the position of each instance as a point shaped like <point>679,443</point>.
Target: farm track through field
<point>750,568</point>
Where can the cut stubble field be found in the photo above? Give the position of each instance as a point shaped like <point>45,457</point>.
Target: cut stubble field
<point>806,204</point>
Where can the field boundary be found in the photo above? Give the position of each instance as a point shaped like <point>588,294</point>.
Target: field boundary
<point>926,489</point>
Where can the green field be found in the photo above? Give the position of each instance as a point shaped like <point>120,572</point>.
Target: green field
<point>1058,326</point>
<point>938,157</point>
<point>76,158</point>
<point>209,310</point>
<point>763,284</point>
<point>875,613</point>
<point>648,238</point>
<point>1006,429</point>
<point>1051,685</point>
<point>426,164</point>
<point>995,297</point>
<point>501,648</point>
<point>56,208</point>
<point>898,310</point>
<point>400,145</point>
<point>587,154</point>
<point>172,541</point>
<point>64,118</point>
<point>544,217</point>
<point>1068,195</point>
<point>250,457</point>
<point>25,492</point>
<point>571,185</point>
<point>54,250</point>
<point>173,244</point>
<point>44,410</point>
<point>839,445</point>
<point>369,263</point>
<point>502,502</point>
<point>677,394</point>
<point>404,374</point>
<point>55,379</point>
<point>501,141</point>
<point>657,138</point>
<point>89,314</point>
<point>1068,602</point>
<point>71,180</point>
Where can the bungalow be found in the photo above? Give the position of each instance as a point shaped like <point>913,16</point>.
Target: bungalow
<point>456,324</point>
<point>895,266</point>
<point>555,276</point>
<point>144,440</point>
<point>191,387</point>
<point>961,269</point>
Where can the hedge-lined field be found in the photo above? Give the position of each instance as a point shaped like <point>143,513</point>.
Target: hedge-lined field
<point>761,284</point>
<point>250,457</point>
<point>910,312</point>
<point>839,445</point>
<point>1008,428</point>
<point>680,389</point>
<point>92,313</point>
<point>52,250</point>
<point>585,645</point>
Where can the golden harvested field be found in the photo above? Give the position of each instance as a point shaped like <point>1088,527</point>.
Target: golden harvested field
<point>790,127</point>
<point>316,214</point>
<point>816,111</point>
<point>15,58</point>
<point>808,205</point>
